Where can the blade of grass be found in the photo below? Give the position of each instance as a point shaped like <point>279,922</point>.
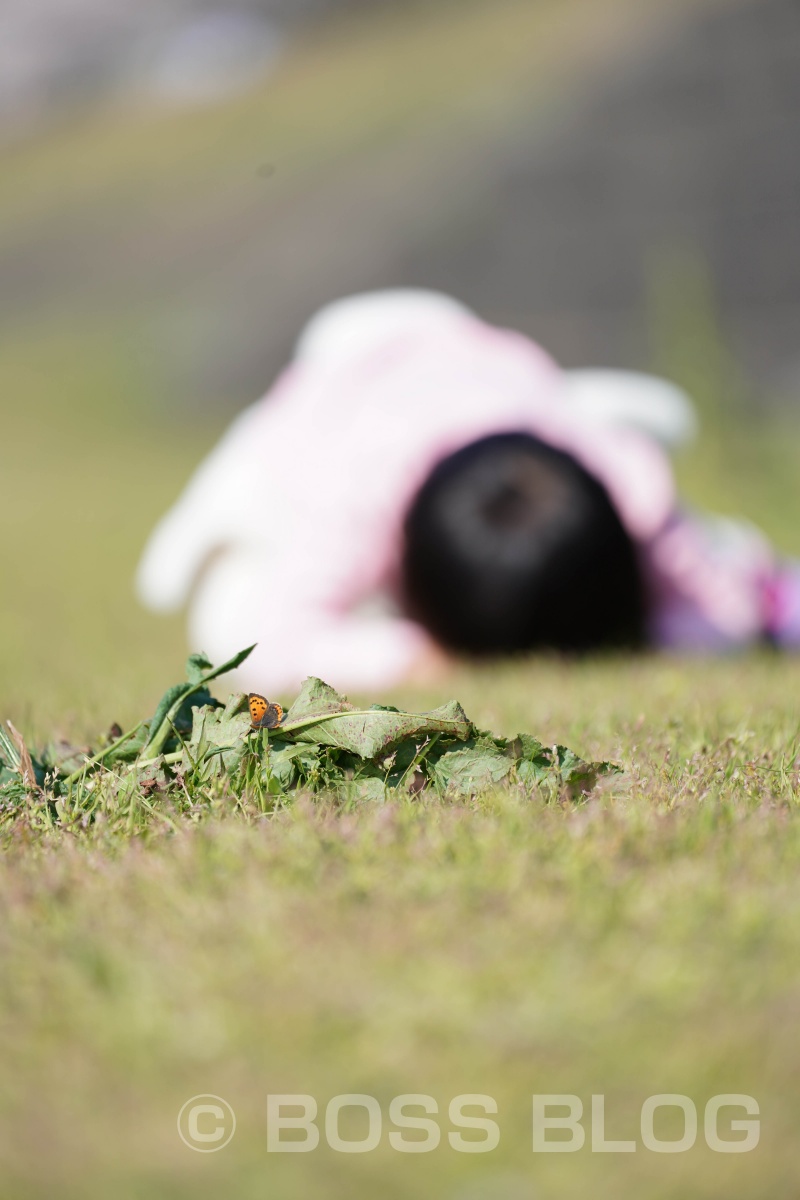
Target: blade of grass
<point>98,759</point>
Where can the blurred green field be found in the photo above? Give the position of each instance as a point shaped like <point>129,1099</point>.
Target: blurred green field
<point>643,942</point>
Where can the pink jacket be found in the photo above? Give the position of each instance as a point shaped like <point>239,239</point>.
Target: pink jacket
<point>289,533</point>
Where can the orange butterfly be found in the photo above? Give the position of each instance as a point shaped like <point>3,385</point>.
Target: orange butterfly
<point>263,715</point>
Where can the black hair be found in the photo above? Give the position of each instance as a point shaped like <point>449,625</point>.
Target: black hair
<point>510,544</point>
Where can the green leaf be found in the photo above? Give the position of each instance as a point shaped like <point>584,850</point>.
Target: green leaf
<point>218,738</point>
<point>477,766</point>
<point>525,746</point>
<point>295,764</point>
<point>196,667</point>
<point>325,744</point>
<point>131,748</point>
<point>183,718</point>
<point>171,697</point>
<point>161,727</point>
<point>559,767</point>
<point>578,776</point>
<point>206,676</point>
<point>367,791</point>
<point>7,774</point>
<point>323,717</point>
<point>316,699</point>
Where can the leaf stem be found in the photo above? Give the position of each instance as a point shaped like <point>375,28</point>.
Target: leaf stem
<point>418,759</point>
<point>307,722</point>
<point>98,759</point>
<point>175,757</point>
<point>161,735</point>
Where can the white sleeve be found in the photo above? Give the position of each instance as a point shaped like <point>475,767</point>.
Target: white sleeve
<point>351,653</point>
<point>243,599</point>
<point>631,400</point>
<point>205,516</point>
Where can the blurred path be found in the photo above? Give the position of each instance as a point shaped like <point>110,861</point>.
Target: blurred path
<point>536,159</point>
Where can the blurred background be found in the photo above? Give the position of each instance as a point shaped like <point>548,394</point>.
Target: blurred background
<point>182,183</point>
<point>185,182</point>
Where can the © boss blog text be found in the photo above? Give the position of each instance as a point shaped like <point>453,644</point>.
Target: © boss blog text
<point>561,1124</point>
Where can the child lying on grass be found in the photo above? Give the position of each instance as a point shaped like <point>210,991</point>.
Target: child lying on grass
<point>418,482</point>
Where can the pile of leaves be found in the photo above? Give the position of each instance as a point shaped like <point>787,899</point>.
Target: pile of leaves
<point>196,751</point>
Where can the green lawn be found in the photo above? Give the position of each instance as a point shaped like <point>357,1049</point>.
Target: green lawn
<point>644,941</point>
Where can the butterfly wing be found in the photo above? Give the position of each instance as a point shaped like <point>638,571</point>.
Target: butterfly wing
<point>258,705</point>
<point>272,717</point>
<point>263,715</point>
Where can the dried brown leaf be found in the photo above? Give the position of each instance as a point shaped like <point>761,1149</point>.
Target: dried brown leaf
<point>25,767</point>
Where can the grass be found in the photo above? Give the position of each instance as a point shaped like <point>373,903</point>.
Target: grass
<point>90,473</point>
<point>642,942</point>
